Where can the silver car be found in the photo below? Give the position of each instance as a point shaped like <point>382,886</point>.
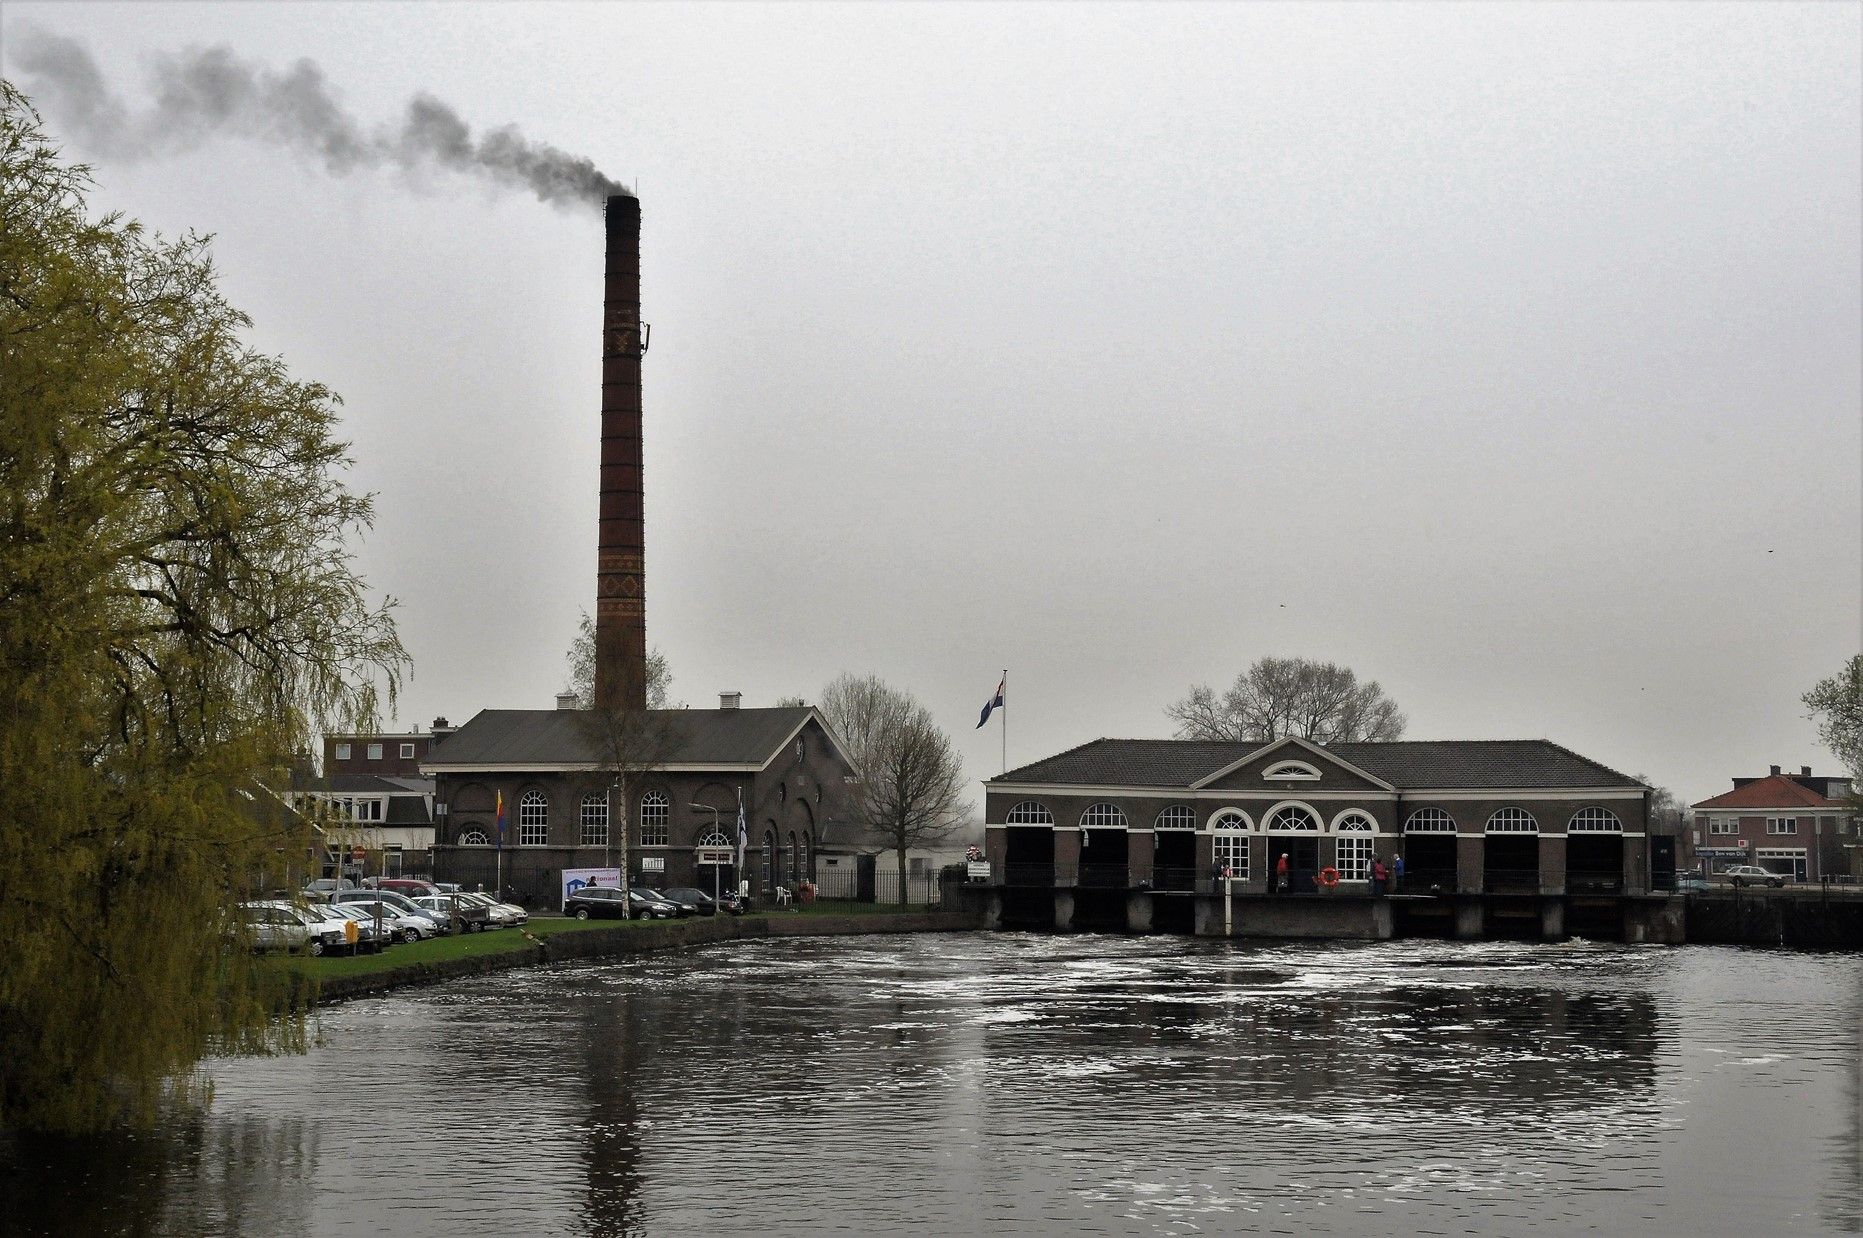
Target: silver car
<point>1750,875</point>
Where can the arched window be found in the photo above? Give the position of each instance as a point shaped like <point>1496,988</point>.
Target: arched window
<point>1292,769</point>
<point>714,839</point>
<point>474,838</point>
<point>1354,850</point>
<point>655,812</point>
<point>533,820</point>
<point>595,820</point>
<point>1028,812</point>
<point>1429,821</point>
<point>1513,821</point>
<point>1292,819</point>
<point>1103,817</point>
<point>1594,821</point>
<point>1177,817</point>
<point>808,854</point>
<point>769,859</point>
<point>795,858</point>
<point>1229,844</point>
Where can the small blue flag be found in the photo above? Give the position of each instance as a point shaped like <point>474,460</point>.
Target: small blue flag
<point>995,702</point>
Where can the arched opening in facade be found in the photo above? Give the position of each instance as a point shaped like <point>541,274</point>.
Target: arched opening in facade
<point>1229,846</point>
<point>768,869</point>
<point>1594,852</point>
<point>1355,835</point>
<point>1294,831</point>
<point>1103,846</point>
<point>1429,851</point>
<point>1174,849</point>
<point>1029,845</point>
<point>1510,861</point>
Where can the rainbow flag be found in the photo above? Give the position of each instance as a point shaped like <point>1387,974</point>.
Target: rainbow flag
<point>501,818</point>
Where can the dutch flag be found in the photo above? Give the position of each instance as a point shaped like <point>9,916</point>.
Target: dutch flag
<point>994,703</point>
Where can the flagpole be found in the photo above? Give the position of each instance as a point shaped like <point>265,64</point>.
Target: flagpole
<point>1005,720</point>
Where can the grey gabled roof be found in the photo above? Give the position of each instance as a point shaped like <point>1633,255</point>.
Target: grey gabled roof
<point>1435,763</point>
<point>550,737</point>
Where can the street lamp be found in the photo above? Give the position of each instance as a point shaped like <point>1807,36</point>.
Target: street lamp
<point>718,830</point>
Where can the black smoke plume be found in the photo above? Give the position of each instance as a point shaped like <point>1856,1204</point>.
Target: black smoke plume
<point>204,92</point>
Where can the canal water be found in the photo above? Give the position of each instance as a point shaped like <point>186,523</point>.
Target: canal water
<point>1027,1085</point>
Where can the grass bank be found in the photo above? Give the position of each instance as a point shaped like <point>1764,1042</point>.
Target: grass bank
<point>551,939</point>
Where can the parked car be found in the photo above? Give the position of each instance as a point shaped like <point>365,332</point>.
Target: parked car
<point>732,903</point>
<point>368,941</point>
<point>397,924</point>
<point>503,915</point>
<point>407,886</point>
<point>274,927</point>
<point>400,902</point>
<point>648,905</point>
<point>695,901</point>
<point>472,918</point>
<point>596,903</point>
<point>331,932</point>
<point>1750,875</point>
<point>326,886</point>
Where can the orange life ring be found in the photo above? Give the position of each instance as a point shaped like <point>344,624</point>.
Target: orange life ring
<point>1328,878</point>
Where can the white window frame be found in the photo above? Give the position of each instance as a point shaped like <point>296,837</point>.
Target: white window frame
<point>1215,823</point>
<point>1285,771</point>
<point>407,752</point>
<point>473,838</point>
<point>1029,812</point>
<point>1594,820</point>
<point>656,816</point>
<point>533,816</point>
<point>375,752</point>
<point>1354,854</point>
<point>595,819</point>
<point>1512,820</point>
<point>1230,846</point>
<point>1781,826</point>
<point>1723,825</point>
<point>1430,821</point>
<point>1176,817</point>
<point>342,752</point>
<point>1270,824</point>
<point>1104,815</point>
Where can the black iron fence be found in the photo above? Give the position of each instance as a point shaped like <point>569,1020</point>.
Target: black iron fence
<point>880,885</point>
<point>1510,880</point>
<point>1594,881</point>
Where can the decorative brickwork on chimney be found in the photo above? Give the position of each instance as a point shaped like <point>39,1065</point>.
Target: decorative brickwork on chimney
<point>620,596</point>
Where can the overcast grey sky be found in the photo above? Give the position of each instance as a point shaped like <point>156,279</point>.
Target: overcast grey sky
<point>1509,355</point>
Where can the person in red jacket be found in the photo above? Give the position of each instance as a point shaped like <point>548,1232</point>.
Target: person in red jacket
<point>1280,874</point>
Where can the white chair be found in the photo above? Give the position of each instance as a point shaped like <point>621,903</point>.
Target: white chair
<point>782,897</point>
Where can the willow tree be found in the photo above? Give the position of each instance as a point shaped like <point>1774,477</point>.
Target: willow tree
<point>178,615</point>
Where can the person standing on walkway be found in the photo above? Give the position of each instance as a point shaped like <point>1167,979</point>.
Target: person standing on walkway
<point>1397,872</point>
<point>1377,875</point>
<point>1280,874</point>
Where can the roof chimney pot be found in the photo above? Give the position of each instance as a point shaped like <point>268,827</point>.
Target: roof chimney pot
<point>569,700</point>
<point>1804,771</point>
<point>1775,770</point>
<point>730,700</point>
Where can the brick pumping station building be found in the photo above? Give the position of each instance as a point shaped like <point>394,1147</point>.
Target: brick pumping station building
<point>1498,837</point>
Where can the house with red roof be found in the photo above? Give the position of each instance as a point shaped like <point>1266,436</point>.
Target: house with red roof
<point>1801,825</point>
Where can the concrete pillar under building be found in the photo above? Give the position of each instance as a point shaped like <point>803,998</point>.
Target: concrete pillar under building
<point>1209,918</point>
<point>1063,910</point>
<point>1138,912</point>
<point>993,909</point>
<point>1470,923</point>
<point>1552,919</point>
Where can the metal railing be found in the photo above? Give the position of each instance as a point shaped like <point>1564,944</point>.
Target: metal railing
<point>1594,881</point>
<point>1510,880</point>
<point>1428,881</point>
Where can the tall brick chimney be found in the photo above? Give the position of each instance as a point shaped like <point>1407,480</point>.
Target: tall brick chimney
<point>620,598</point>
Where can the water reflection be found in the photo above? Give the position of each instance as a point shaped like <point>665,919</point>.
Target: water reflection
<point>1031,1084</point>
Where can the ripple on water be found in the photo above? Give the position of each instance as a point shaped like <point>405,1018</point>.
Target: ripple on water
<point>1033,1084</point>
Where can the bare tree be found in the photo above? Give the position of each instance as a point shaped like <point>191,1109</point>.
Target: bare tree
<point>628,744</point>
<point>1278,697</point>
<point>581,660</point>
<point>1668,814</point>
<point>910,791</point>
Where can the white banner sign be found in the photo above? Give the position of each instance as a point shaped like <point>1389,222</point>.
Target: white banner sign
<point>575,878</point>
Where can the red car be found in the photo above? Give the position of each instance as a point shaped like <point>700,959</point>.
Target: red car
<point>413,887</point>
